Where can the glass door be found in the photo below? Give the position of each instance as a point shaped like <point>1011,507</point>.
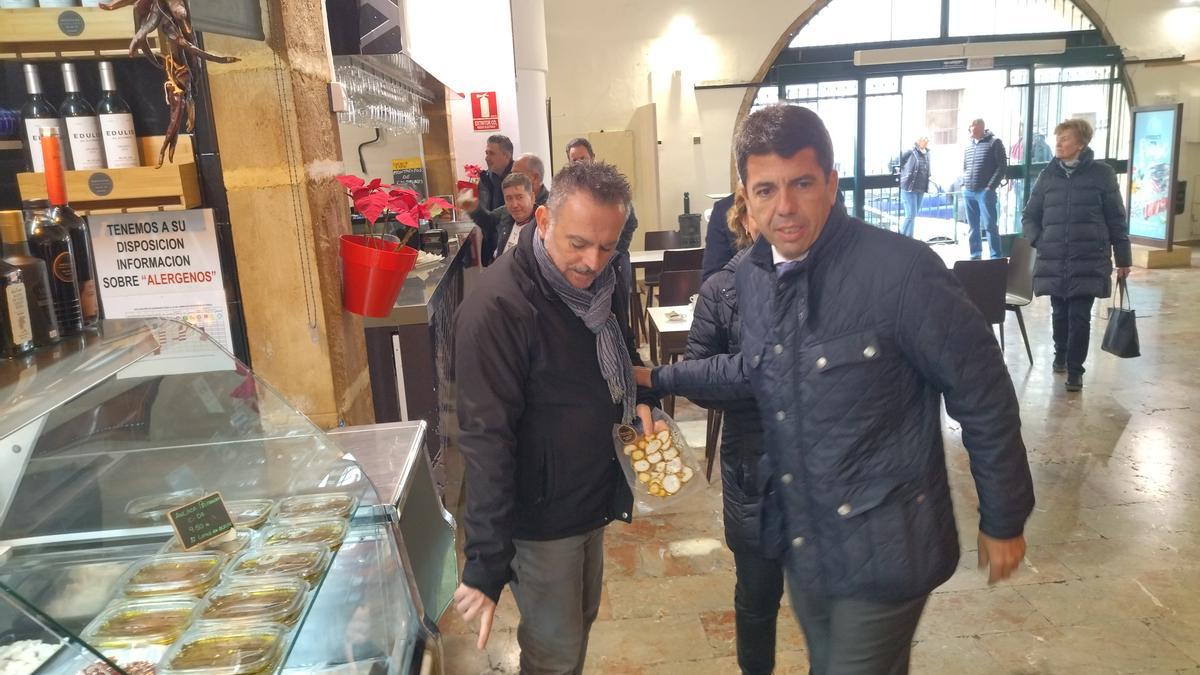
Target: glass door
<point>836,101</point>
<point>883,134</point>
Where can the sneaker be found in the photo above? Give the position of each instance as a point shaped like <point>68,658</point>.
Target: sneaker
<point>1060,364</point>
<point>1075,382</point>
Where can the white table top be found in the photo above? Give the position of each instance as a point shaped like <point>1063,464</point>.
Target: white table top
<point>664,324</point>
<point>649,257</point>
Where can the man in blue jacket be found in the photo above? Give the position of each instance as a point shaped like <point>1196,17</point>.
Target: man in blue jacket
<point>851,336</point>
<point>984,164</point>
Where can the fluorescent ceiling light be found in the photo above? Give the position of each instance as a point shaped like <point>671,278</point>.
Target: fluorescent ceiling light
<point>966,50</point>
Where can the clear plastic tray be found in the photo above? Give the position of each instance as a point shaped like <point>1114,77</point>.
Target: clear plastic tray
<point>268,598</point>
<point>229,649</point>
<point>241,542</point>
<point>333,505</point>
<point>305,561</point>
<point>131,623</point>
<point>152,509</point>
<point>327,531</point>
<point>173,574</point>
<point>250,513</point>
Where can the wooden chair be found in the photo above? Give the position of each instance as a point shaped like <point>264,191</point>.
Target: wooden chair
<point>675,288</point>
<point>984,282</point>
<point>1019,289</point>
<point>657,240</point>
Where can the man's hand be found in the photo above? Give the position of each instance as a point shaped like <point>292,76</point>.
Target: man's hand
<point>1122,272</point>
<point>1002,555</point>
<point>641,376</point>
<point>471,603</point>
<point>466,201</point>
<point>647,417</point>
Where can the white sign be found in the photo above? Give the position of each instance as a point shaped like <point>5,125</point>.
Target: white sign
<point>162,264</point>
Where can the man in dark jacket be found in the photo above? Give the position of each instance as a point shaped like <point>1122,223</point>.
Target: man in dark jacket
<point>914,182</point>
<point>509,220</point>
<point>498,156</point>
<point>851,338</point>
<point>984,164</point>
<point>580,150</point>
<point>545,371</point>
<point>718,241</point>
<point>1075,219</point>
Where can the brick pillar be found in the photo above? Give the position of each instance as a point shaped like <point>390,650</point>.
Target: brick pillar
<point>280,152</point>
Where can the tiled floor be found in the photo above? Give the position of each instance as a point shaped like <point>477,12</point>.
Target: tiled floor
<point>1112,580</point>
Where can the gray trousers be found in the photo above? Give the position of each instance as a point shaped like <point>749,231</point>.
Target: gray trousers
<point>857,637</point>
<point>557,589</point>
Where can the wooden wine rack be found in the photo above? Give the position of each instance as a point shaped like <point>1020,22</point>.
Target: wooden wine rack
<point>44,33</point>
<point>144,188</point>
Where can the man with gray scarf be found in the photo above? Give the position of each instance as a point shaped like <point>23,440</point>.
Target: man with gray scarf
<point>545,369</point>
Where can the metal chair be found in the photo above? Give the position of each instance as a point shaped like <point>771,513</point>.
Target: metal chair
<point>984,282</point>
<point>1019,289</point>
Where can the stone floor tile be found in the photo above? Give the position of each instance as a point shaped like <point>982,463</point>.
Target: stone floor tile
<point>953,656</point>
<point>964,613</point>
<point>624,645</point>
<point>1041,566</point>
<point>1152,550</point>
<point>670,596</point>
<point>1181,630</point>
<point>1091,601</point>
<point>1103,649</point>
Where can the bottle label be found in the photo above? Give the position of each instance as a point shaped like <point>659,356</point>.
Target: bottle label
<point>33,132</point>
<point>88,300</point>
<point>87,147</point>
<point>20,324</point>
<point>63,268</point>
<point>120,141</point>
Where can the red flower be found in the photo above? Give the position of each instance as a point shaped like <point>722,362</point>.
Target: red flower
<point>473,171</point>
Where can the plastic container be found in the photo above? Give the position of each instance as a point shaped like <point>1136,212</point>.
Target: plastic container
<point>152,509</point>
<point>230,649</point>
<point>333,505</point>
<point>242,541</point>
<point>250,513</point>
<point>327,531</point>
<point>135,623</point>
<point>303,561</point>
<point>173,574</point>
<point>373,273</point>
<point>278,599</point>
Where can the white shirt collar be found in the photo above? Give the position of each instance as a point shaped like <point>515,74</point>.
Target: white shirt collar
<point>777,257</point>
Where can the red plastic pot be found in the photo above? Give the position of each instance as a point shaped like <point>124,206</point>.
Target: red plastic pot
<point>373,272</point>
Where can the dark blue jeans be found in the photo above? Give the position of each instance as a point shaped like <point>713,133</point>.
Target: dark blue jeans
<point>982,205</point>
<point>912,204</point>
<point>756,608</point>
<point>1072,324</point>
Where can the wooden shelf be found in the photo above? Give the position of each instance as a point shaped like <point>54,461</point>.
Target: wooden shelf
<point>144,188</point>
<point>60,33</point>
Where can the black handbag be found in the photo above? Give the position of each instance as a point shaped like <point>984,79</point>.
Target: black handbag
<point>1121,337</point>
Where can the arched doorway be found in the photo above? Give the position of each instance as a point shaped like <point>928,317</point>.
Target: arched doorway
<point>883,72</point>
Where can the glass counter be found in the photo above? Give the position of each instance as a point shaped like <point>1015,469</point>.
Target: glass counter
<point>106,432</point>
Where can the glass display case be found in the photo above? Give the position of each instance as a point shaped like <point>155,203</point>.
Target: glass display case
<point>102,435</point>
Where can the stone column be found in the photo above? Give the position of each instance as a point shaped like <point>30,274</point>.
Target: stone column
<point>280,153</point>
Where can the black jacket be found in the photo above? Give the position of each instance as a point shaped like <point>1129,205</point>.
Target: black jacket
<point>715,330</point>
<point>1074,222</point>
<point>535,418</point>
<point>719,246</point>
<point>914,170</point>
<point>491,197</point>
<point>849,356</point>
<point>984,163</point>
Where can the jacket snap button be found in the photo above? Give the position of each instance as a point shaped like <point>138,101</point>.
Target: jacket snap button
<point>754,361</point>
<point>869,352</point>
<point>844,510</point>
<point>785,478</point>
<point>624,515</point>
<point>797,542</point>
<point>920,499</point>
<point>778,349</point>
<point>781,416</point>
<point>822,362</point>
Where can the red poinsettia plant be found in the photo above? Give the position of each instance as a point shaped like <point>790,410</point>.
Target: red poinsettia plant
<point>375,199</point>
<point>473,171</point>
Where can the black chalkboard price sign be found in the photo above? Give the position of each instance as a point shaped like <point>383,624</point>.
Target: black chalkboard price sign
<point>200,522</point>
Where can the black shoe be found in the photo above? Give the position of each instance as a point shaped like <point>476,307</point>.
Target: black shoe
<point>1075,382</point>
<point>1060,364</point>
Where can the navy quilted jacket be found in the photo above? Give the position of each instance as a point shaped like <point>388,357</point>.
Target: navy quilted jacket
<point>849,356</point>
<point>1077,223</point>
<point>715,330</point>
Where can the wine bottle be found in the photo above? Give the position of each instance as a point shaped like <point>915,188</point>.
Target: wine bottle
<point>38,296</point>
<point>16,327</point>
<point>52,244</point>
<point>37,113</point>
<point>116,123</point>
<point>83,127</point>
<point>61,214</point>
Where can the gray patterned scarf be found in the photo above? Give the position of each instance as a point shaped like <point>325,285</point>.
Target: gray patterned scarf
<point>594,306</point>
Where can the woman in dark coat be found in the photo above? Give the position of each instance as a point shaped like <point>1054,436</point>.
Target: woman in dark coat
<point>759,584</point>
<point>1075,219</point>
<point>914,182</point>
